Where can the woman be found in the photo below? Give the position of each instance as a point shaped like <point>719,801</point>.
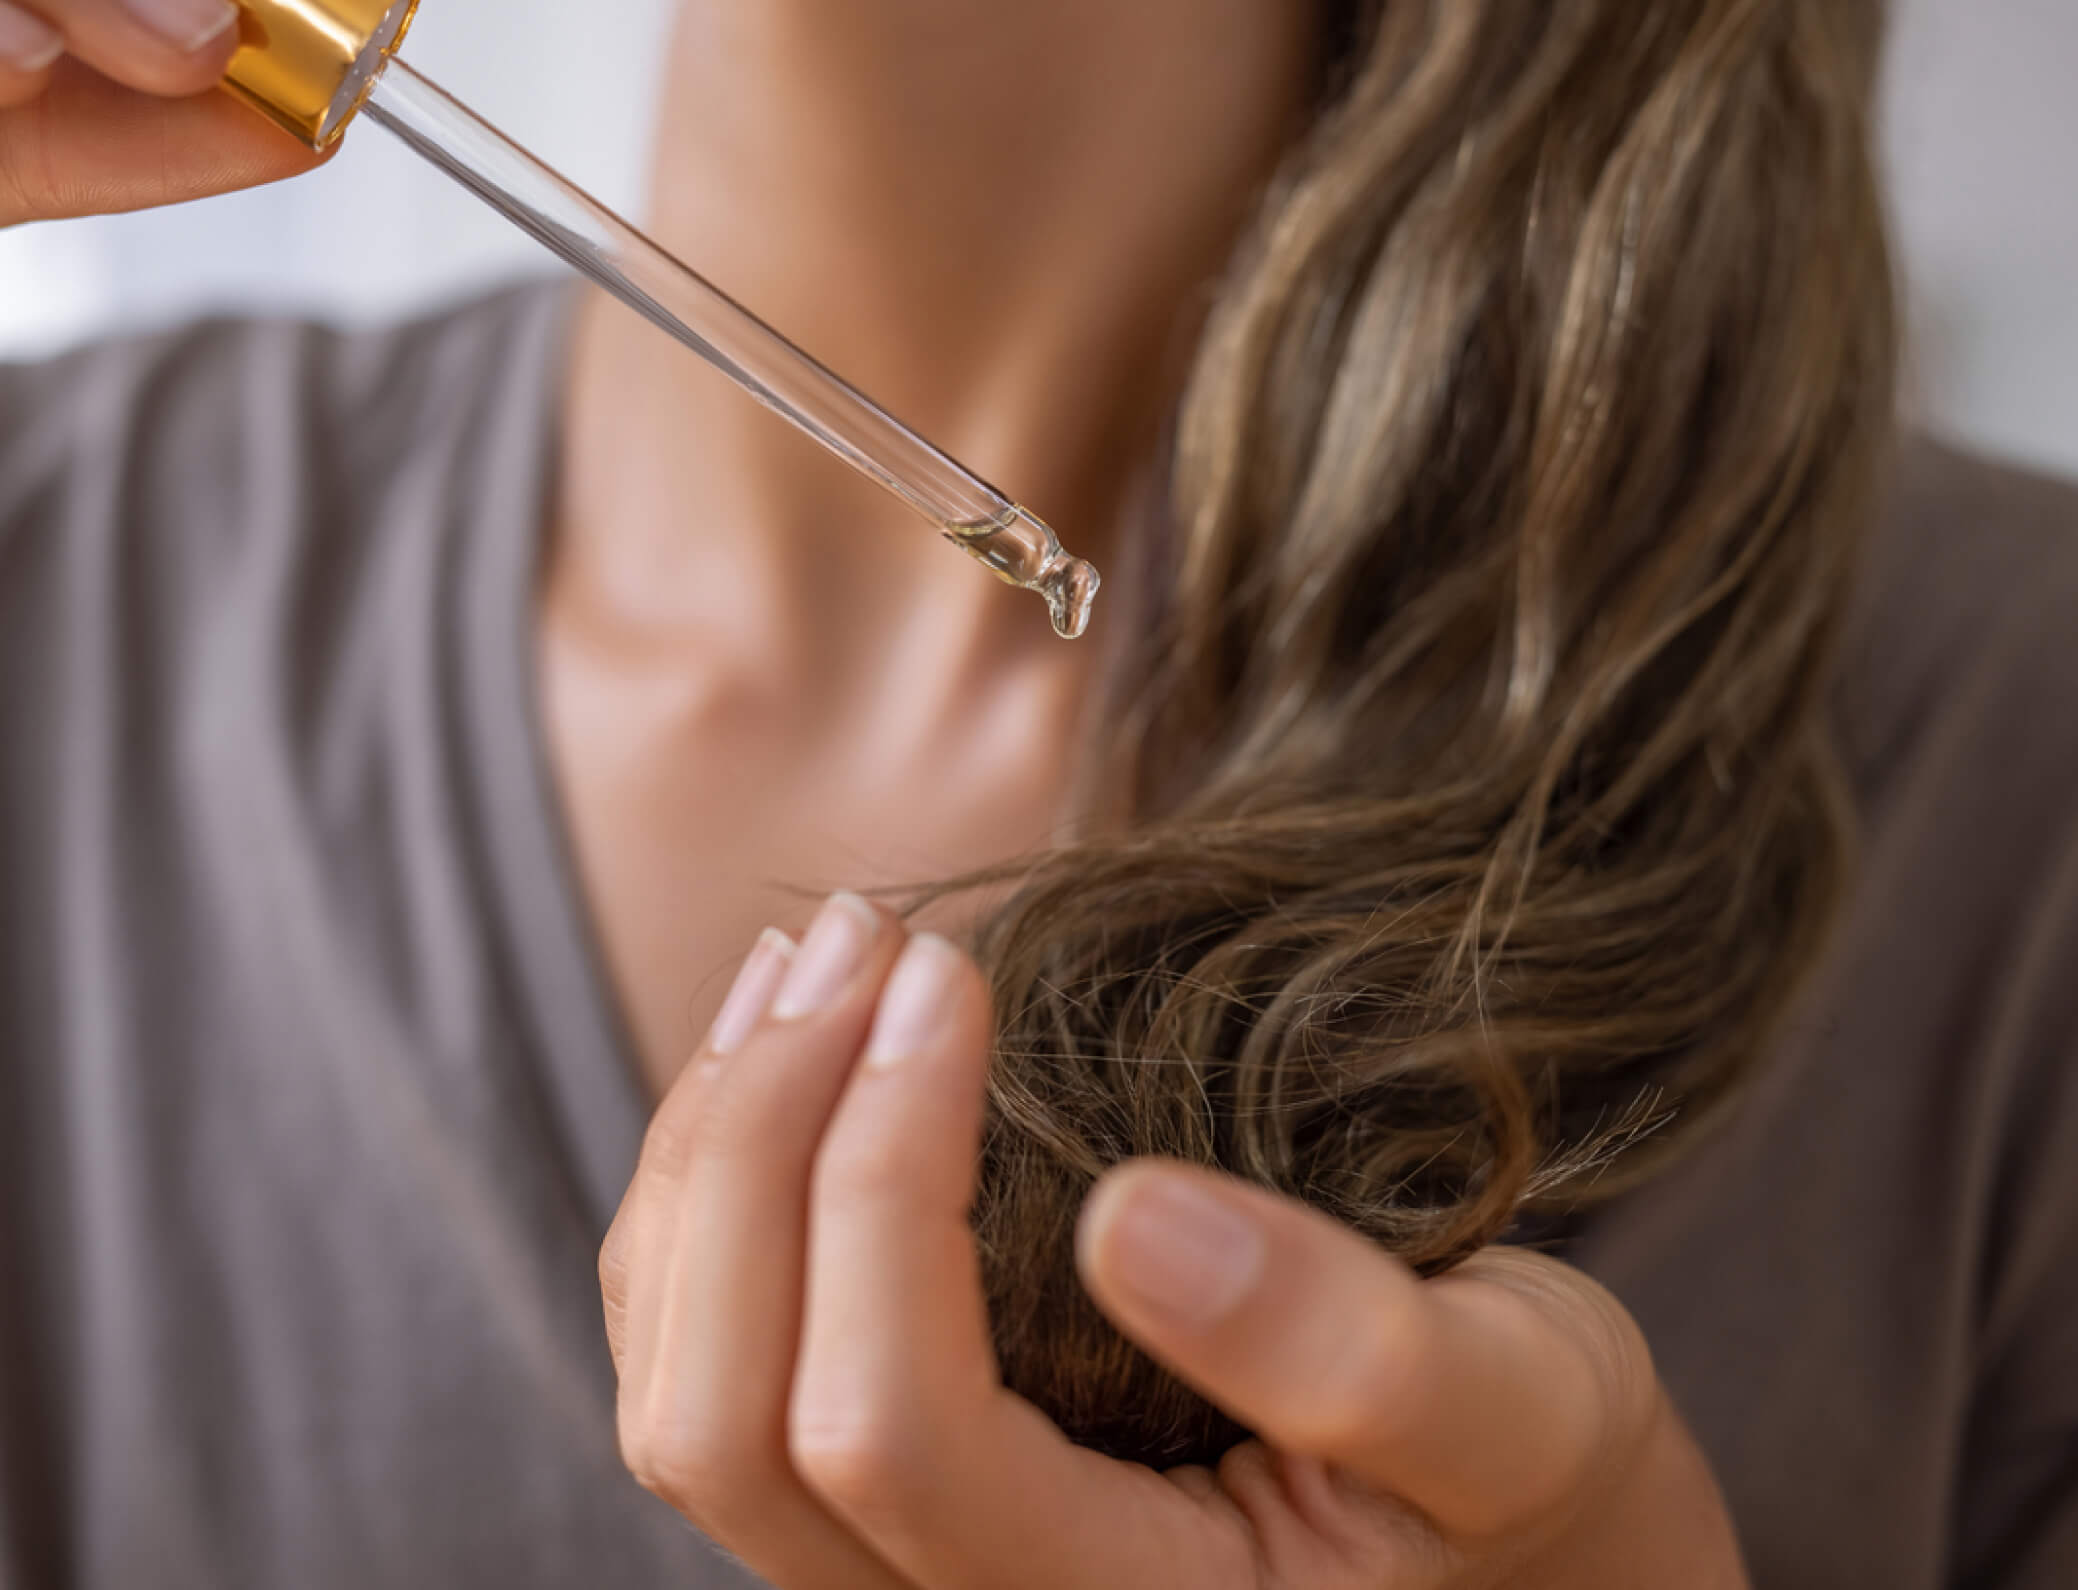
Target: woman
<point>1472,824</point>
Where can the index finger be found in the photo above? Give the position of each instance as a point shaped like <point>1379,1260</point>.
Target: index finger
<point>170,48</point>
<point>1484,1399</point>
<point>899,1421</point>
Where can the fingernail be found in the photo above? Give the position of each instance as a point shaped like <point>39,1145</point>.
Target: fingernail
<point>187,25</point>
<point>1184,1253</point>
<point>28,44</point>
<point>830,955</point>
<point>750,996</point>
<point>913,1008</point>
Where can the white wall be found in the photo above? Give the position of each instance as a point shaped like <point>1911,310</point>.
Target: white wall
<point>1983,133</point>
<point>1982,127</point>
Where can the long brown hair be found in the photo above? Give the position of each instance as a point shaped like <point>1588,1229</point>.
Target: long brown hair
<point>1474,819</point>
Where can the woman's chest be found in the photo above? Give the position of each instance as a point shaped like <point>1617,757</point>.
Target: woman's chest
<point>693,829</point>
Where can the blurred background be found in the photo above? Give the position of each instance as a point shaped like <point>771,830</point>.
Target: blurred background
<point>1981,131</point>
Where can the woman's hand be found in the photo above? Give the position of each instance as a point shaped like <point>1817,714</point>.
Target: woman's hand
<point>794,1305</point>
<point>109,105</point>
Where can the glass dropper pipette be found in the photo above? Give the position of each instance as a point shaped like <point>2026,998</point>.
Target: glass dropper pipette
<point>312,66</point>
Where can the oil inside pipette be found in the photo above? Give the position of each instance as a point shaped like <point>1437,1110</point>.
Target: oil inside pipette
<point>1022,550</point>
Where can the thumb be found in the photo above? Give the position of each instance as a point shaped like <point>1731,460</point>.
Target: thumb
<point>1485,1399</point>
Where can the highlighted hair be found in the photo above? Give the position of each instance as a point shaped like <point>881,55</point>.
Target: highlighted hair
<point>1473,818</point>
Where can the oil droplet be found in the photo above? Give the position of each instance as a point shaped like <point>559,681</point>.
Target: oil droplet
<point>1022,550</point>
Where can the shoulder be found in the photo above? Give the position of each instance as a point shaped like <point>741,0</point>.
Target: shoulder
<point>1957,709</point>
<point>1966,622</point>
<point>1965,638</point>
<point>263,473</point>
<point>222,544</point>
<point>196,417</point>
<point>1958,966</point>
<point>205,354</point>
<point>1959,712</point>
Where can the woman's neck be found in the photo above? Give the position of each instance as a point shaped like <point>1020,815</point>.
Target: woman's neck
<point>997,218</point>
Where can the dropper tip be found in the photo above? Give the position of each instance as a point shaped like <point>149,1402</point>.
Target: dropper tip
<point>1070,588</point>
<point>1021,549</point>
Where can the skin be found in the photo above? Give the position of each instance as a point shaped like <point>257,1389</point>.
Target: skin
<point>757,674</point>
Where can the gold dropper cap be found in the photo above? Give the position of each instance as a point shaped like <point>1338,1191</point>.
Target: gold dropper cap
<point>306,64</point>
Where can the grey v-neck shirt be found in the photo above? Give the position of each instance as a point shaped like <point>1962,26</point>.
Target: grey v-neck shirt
<point>313,1106</point>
